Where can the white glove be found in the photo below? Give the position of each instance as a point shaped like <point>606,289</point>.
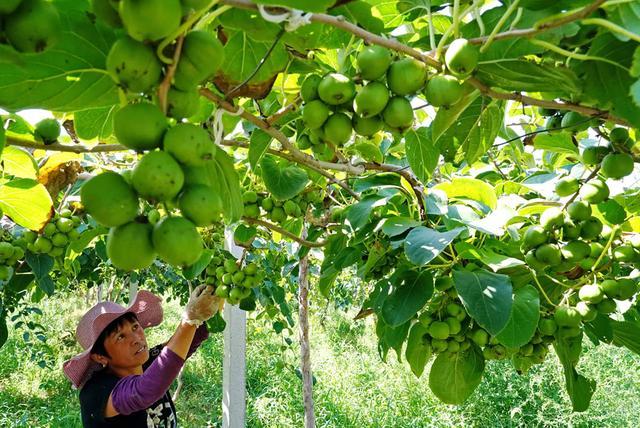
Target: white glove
<point>202,305</point>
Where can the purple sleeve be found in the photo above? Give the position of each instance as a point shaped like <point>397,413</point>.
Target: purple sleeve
<point>202,334</point>
<point>138,392</point>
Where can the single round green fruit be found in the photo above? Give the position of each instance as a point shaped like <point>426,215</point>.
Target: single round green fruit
<point>315,113</point>
<point>591,293</point>
<point>625,253</point>
<point>627,288</point>
<point>591,228</point>
<point>617,165</point>
<point>619,136</point>
<point>574,251</point>
<point>443,90</point>
<point>398,114</point>
<point>586,311</point>
<point>607,306</point>
<point>249,197</point>
<point>177,241</point>
<point>303,142</point>
<point>547,326</point>
<point>335,88</point>
<point>567,186</point>
<point>64,225</point>
<point>552,218</point>
<point>47,131</point>
<point>139,126</point>
<point>59,240</point>
<point>109,199</point>
<point>594,191</point>
<point>549,254</point>
<point>570,230</point>
<point>566,316</point>
<point>373,61</point>
<point>309,88</point>
<point>133,65</point>
<point>182,104</point>
<point>553,123</point>
<point>200,204</point>
<point>337,129</point>
<point>33,27</point>
<point>575,122</point>
<point>371,99</point>
<point>189,144</point>
<point>406,76</point>
<point>461,57</point>
<point>593,155</point>
<point>439,330</point>
<point>129,246</point>
<point>366,126</point>
<point>150,19</point>
<point>534,236</point>
<point>579,210</point>
<point>443,283</point>
<point>202,56</point>
<point>6,250</point>
<point>480,337</point>
<point>157,177</point>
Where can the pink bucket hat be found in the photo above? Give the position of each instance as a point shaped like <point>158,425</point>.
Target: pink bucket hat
<point>147,308</point>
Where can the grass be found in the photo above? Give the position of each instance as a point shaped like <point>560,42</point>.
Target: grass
<point>354,387</point>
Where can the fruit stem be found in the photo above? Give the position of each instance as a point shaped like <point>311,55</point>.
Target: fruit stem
<point>503,19</point>
<point>456,18</point>
<point>448,32</point>
<point>612,27</point>
<point>574,55</point>
<point>535,278</point>
<point>432,36</point>
<point>478,17</point>
<point>606,248</point>
<point>575,195</point>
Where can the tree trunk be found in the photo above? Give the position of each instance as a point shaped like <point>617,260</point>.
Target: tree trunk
<point>305,351</point>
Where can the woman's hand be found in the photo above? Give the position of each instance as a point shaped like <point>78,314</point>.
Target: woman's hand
<point>202,305</point>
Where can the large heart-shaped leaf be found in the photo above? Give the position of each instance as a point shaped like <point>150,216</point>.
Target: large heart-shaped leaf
<point>486,296</point>
<point>27,202</point>
<point>470,188</point>
<point>524,317</point>
<point>423,244</point>
<point>454,376</point>
<point>283,179</point>
<point>411,292</point>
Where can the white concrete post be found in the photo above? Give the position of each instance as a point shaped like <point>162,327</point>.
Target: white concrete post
<point>234,362</point>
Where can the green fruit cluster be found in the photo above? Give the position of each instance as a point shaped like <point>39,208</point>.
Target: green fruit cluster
<point>278,211</point>
<point>614,165</point>
<point>11,251</point>
<point>231,281</point>
<point>54,238</point>
<point>132,60</point>
<point>30,26</point>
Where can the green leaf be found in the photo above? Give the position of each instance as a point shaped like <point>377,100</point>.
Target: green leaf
<point>358,214</point>
<point>445,117</point>
<point>486,296</point>
<point>470,188</point>
<point>86,237</point>
<point>4,333</point>
<point>523,320</point>
<point>242,56</point>
<point>282,178</point>
<point>95,123</point>
<point>635,65</point>
<point>454,376</point>
<point>3,137</point>
<point>609,84</point>
<point>251,23</point>
<point>411,292</point>
<point>627,334</point>
<point>368,151</point>
<point>422,154</point>
<point>376,181</point>
<point>423,244</point>
<point>560,142</point>
<point>494,260</point>
<point>305,5</point>
<point>258,146</point>
<point>19,163</point>
<point>359,12</point>
<point>527,76</point>
<point>41,265</point>
<point>397,225</point>
<point>626,15</point>
<point>418,350</point>
<point>70,76</point>
<point>26,202</point>
<point>244,233</point>
<point>228,183</point>
<point>579,388</point>
<point>199,266</point>
<point>391,337</point>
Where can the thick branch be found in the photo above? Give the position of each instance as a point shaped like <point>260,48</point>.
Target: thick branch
<point>57,147</point>
<point>284,232</point>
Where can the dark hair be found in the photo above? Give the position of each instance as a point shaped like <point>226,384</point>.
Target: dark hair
<point>98,347</point>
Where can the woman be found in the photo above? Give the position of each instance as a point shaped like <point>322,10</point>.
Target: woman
<point>122,382</point>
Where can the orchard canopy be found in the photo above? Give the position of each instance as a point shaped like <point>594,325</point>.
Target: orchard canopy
<point>471,163</point>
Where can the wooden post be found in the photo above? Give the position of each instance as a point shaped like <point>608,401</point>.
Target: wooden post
<point>234,362</point>
<point>305,347</point>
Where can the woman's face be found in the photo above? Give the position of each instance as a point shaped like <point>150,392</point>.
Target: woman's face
<point>127,347</point>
